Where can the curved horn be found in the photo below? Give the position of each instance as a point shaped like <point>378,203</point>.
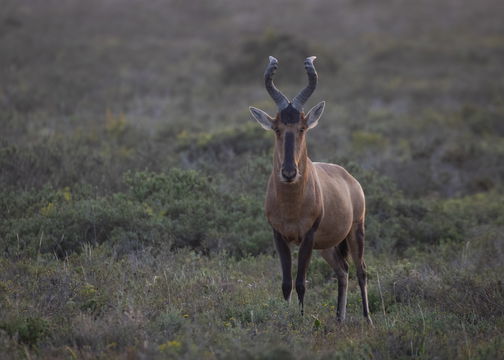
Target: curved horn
<point>300,99</point>
<point>279,98</point>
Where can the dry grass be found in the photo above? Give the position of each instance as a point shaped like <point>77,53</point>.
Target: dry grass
<point>184,305</point>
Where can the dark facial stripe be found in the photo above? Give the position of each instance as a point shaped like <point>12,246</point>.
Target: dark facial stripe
<point>289,144</point>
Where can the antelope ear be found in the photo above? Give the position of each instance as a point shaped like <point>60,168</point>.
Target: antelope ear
<point>262,118</point>
<point>314,115</point>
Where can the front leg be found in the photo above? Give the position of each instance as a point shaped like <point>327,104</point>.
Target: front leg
<point>284,253</point>
<point>304,256</point>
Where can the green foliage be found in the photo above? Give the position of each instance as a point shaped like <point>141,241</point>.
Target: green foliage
<point>90,299</point>
<point>27,330</point>
<point>200,216</point>
<point>74,159</point>
<point>179,208</point>
<point>168,324</point>
<point>394,222</point>
<point>65,226</point>
<point>363,140</point>
<point>184,208</point>
<point>223,146</point>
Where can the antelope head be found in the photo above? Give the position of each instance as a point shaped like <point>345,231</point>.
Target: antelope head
<point>290,123</point>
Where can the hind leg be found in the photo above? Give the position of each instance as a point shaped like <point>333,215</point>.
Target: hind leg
<point>335,257</point>
<point>356,245</point>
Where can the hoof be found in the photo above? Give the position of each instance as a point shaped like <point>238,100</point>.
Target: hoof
<point>340,317</point>
<point>301,308</point>
<point>370,322</point>
<point>286,291</point>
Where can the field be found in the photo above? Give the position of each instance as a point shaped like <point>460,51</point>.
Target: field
<point>132,177</point>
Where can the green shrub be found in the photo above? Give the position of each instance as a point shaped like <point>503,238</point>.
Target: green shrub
<point>183,208</point>
<point>65,226</point>
<point>226,151</point>
<point>27,330</point>
<point>200,216</point>
<point>179,208</point>
<point>395,222</point>
<point>95,156</point>
<point>368,141</point>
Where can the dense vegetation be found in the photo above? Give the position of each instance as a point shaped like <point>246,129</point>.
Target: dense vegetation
<point>132,177</point>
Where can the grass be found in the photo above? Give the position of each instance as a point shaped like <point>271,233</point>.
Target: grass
<point>165,304</point>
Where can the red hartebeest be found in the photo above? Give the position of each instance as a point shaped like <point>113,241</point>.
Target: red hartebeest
<point>313,205</point>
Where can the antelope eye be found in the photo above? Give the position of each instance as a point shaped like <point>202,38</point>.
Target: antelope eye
<point>302,130</point>
<point>277,131</point>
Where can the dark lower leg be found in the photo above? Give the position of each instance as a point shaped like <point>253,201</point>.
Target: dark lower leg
<point>304,257</point>
<point>342,293</point>
<point>337,261</point>
<point>362,277</point>
<point>341,270</point>
<point>358,256</point>
<point>284,254</point>
<point>342,296</point>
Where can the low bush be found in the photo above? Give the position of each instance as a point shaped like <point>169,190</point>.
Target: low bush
<point>27,330</point>
<point>179,208</point>
<point>182,208</point>
<point>398,223</point>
